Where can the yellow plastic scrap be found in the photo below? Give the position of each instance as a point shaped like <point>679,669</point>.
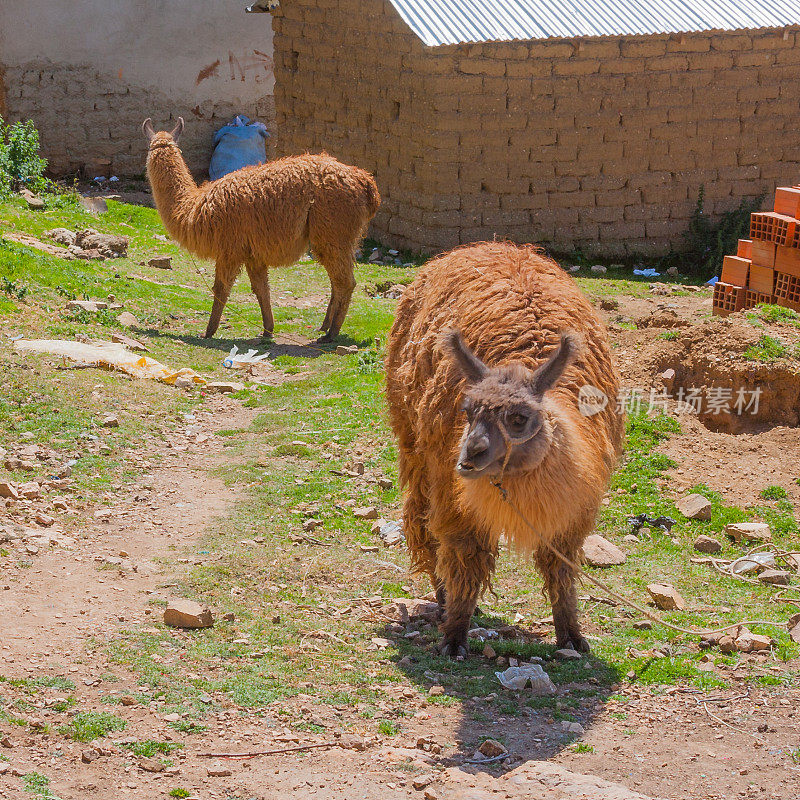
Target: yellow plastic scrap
<point>109,355</point>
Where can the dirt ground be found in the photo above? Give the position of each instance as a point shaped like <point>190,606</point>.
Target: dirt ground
<point>674,743</point>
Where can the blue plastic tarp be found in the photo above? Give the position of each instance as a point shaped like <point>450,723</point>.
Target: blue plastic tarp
<point>239,144</point>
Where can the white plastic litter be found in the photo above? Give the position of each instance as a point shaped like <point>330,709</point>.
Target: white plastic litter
<point>753,563</point>
<point>237,360</point>
<point>516,678</point>
<point>110,355</point>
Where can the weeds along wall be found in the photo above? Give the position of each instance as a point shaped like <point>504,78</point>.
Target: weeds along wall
<point>599,144</point>
<point>89,71</point>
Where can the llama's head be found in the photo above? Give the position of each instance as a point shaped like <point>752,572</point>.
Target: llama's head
<point>507,415</point>
<point>162,138</point>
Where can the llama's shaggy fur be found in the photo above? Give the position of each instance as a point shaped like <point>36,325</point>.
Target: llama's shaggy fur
<point>265,216</point>
<point>511,305</point>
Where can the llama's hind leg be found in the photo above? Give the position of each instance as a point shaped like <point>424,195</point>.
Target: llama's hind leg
<point>224,279</point>
<point>465,566</point>
<point>259,283</point>
<point>559,582</point>
<point>339,266</point>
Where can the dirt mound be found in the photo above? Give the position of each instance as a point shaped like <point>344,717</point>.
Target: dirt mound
<point>733,375</point>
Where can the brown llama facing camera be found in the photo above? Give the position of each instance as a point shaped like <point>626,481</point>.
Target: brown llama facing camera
<point>485,366</point>
<point>265,216</point>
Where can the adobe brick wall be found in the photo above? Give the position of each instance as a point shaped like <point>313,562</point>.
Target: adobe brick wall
<point>90,123</point>
<point>599,144</point>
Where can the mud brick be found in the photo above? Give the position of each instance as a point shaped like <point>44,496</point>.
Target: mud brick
<point>753,299</point>
<point>782,301</point>
<point>745,248</point>
<point>763,253</point>
<point>762,279</point>
<point>727,299</point>
<point>787,259</point>
<point>735,270</point>
<point>787,201</point>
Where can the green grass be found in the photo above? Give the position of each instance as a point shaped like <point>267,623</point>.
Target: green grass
<point>582,747</point>
<point>773,493</point>
<point>767,349</point>
<point>150,747</point>
<point>90,725</point>
<point>38,785</point>
<point>178,792</point>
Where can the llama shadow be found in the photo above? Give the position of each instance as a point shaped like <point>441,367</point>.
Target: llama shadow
<point>533,727</point>
<point>280,344</point>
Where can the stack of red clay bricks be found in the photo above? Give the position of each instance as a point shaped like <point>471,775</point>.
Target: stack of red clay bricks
<point>766,267</point>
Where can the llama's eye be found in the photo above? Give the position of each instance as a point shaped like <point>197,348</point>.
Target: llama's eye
<point>517,421</point>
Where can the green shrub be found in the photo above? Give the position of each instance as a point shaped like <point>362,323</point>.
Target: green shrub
<point>21,165</point>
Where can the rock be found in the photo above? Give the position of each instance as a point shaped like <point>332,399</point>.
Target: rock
<point>62,236</point>
<point>160,262</point>
<point>224,387</point>
<point>567,654</point>
<point>187,614</point>
<point>672,271</point>
<point>96,205</point>
<point>311,524</point>
<point>668,379</point>
<point>431,794</point>
<point>151,764</point>
<point>402,610</point>
<point>749,532</point>
<point>572,727</point>
<point>127,319</point>
<point>106,244</point>
<point>599,269</point>
<point>666,597</point>
<point>748,642</point>
<point>346,350</point>
<point>110,421</point>
<point>44,520</point>
<point>643,625</point>
<point>707,544</point>
<point>218,771</point>
<point>9,490</point>
<point>30,490</point>
<point>575,268</point>
<point>727,644</point>
<point>90,306</point>
<point>777,577</point>
<point>599,552</point>
<point>131,344</point>
<point>793,626</point>
<point>491,748</point>
<point>351,741</point>
<point>489,651</point>
<point>421,781</point>
<point>35,203</point>
<point>366,512</point>
<point>609,303</point>
<point>385,483</point>
<point>694,506</point>
<point>436,691</point>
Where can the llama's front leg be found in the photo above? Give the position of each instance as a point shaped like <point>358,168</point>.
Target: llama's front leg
<point>223,283</point>
<point>259,283</point>
<point>465,566</point>
<point>559,582</point>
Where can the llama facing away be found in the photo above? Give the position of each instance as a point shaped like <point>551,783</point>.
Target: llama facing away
<point>265,216</point>
<point>485,363</point>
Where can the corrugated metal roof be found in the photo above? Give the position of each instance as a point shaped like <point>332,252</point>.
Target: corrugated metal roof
<point>439,22</point>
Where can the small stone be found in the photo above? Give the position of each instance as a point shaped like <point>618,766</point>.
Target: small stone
<point>187,614</point>
<point>727,644</point>
<point>44,520</point>
<point>229,616</point>
<point>346,350</point>
<point>491,748</point>
<point>127,700</point>
<point>489,651</point>
<point>668,378</point>
<point>151,764</point>
<point>87,756</point>
<point>575,268</point>
<point>35,203</point>
<point>160,262</point>
<point>131,344</point>
<point>95,205</point>
<point>436,691</point>
<point>748,642</point>
<point>793,626</point>
<point>694,506</point>
<point>90,306</point>
<point>110,421</point>
<point>567,654</point>
<point>30,490</point>
<point>366,512</point>
<point>672,272</point>
<point>777,577</point>
<point>9,490</point>
<point>127,320</point>
<point>707,544</point>
<point>421,781</point>
<point>224,387</point>
<point>643,625</point>
<point>430,794</point>
<point>572,727</point>
<point>218,771</point>
<point>599,552</point>
<point>749,532</point>
<point>666,597</point>
<point>599,269</point>
<point>385,483</point>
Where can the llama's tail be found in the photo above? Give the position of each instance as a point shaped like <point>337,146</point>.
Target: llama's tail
<point>372,198</point>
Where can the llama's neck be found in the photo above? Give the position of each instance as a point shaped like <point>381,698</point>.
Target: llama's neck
<point>174,189</point>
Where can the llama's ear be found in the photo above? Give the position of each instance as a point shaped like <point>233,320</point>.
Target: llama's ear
<point>549,373</point>
<point>472,368</point>
<point>147,129</point>
<point>178,129</point>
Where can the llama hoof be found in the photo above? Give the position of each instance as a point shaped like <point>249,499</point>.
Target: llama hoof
<point>455,650</point>
<point>326,338</point>
<point>576,643</point>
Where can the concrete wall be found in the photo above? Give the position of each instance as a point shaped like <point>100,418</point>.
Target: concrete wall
<point>89,71</point>
<point>600,144</point>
